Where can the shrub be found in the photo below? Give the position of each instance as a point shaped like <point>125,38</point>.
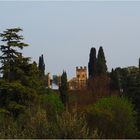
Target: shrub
<point>52,104</point>
<point>8,127</point>
<point>71,126</point>
<point>114,117</point>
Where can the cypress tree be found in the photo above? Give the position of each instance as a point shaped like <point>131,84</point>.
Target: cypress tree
<point>101,62</point>
<point>41,65</point>
<point>63,88</point>
<point>92,63</point>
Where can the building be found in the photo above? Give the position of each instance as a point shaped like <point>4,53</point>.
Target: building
<point>48,80</point>
<point>80,81</point>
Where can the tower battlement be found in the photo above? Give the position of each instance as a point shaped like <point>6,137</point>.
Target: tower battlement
<point>81,68</point>
<point>81,73</point>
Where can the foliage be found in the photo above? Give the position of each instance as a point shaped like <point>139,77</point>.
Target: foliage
<point>15,97</point>
<point>99,86</point>
<point>115,82</point>
<point>114,117</point>
<point>66,126</point>
<point>71,126</point>
<point>41,65</point>
<point>34,124</point>
<point>98,81</point>
<point>64,88</point>
<point>130,84</point>
<point>8,127</point>
<point>92,63</point>
<point>101,62</point>
<point>30,110</point>
<point>52,104</point>
<point>9,51</point>
<point>20,83</point>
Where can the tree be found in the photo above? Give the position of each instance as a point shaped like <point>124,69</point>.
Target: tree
<point>115,83</point>
<point>15,97</point>
<point>63,88</point>
<point>9,51</point>
<point>114,117</point>
<point>101,62</point>
<point>41,65</point>
<point>129,79</point>
<point>92,63</point>
<point>20,83</point>
<point>100,84</point>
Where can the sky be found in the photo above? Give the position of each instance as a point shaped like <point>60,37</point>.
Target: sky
<point>65,31</point>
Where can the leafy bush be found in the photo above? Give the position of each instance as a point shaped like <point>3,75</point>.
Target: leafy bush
<point>52,104</point>
<point>34,124</point>
<point>8,127</point>
<point>114,117</point>
<point>71,126</point>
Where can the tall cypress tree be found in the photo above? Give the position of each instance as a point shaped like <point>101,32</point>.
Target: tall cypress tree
<point>63,88</point>
<point>101,62</point>
<point>92,63</point>
<point>41,65</point>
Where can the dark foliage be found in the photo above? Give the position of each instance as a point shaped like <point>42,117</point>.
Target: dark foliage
<point>101,62</point>
<point>10,54</point>
<point>63,88</point>
<point>92,63</point>
<point>41,65</point>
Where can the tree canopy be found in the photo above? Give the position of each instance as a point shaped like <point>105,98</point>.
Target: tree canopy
<point>63,88</point>
<point>92,63</point>
<point>41,65</point>
<point>101,62</point>
<point>10,54</point>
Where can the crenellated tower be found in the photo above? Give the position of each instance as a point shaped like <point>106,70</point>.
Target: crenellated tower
<point>81,77</point>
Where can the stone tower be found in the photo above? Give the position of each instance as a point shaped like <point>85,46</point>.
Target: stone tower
<point>81,77</point>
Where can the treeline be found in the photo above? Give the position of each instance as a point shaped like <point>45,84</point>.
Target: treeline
<point>28,109</point>
<point>121,82</point>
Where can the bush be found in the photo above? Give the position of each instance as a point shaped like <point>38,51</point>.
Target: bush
<point>8,127</point>
<point>34,124</point>
<point>114,117</point>
<point>71,126</point>
<point>52,104</point>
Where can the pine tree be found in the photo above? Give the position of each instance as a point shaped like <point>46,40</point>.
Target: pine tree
<point>41,65</point>
<point>63,88</point>
<point>12,42</point>
<point>101,62</point>
<point>18,88</point>
<point>92,63</point>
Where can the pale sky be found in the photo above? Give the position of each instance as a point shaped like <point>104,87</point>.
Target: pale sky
<point>65,31</point>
